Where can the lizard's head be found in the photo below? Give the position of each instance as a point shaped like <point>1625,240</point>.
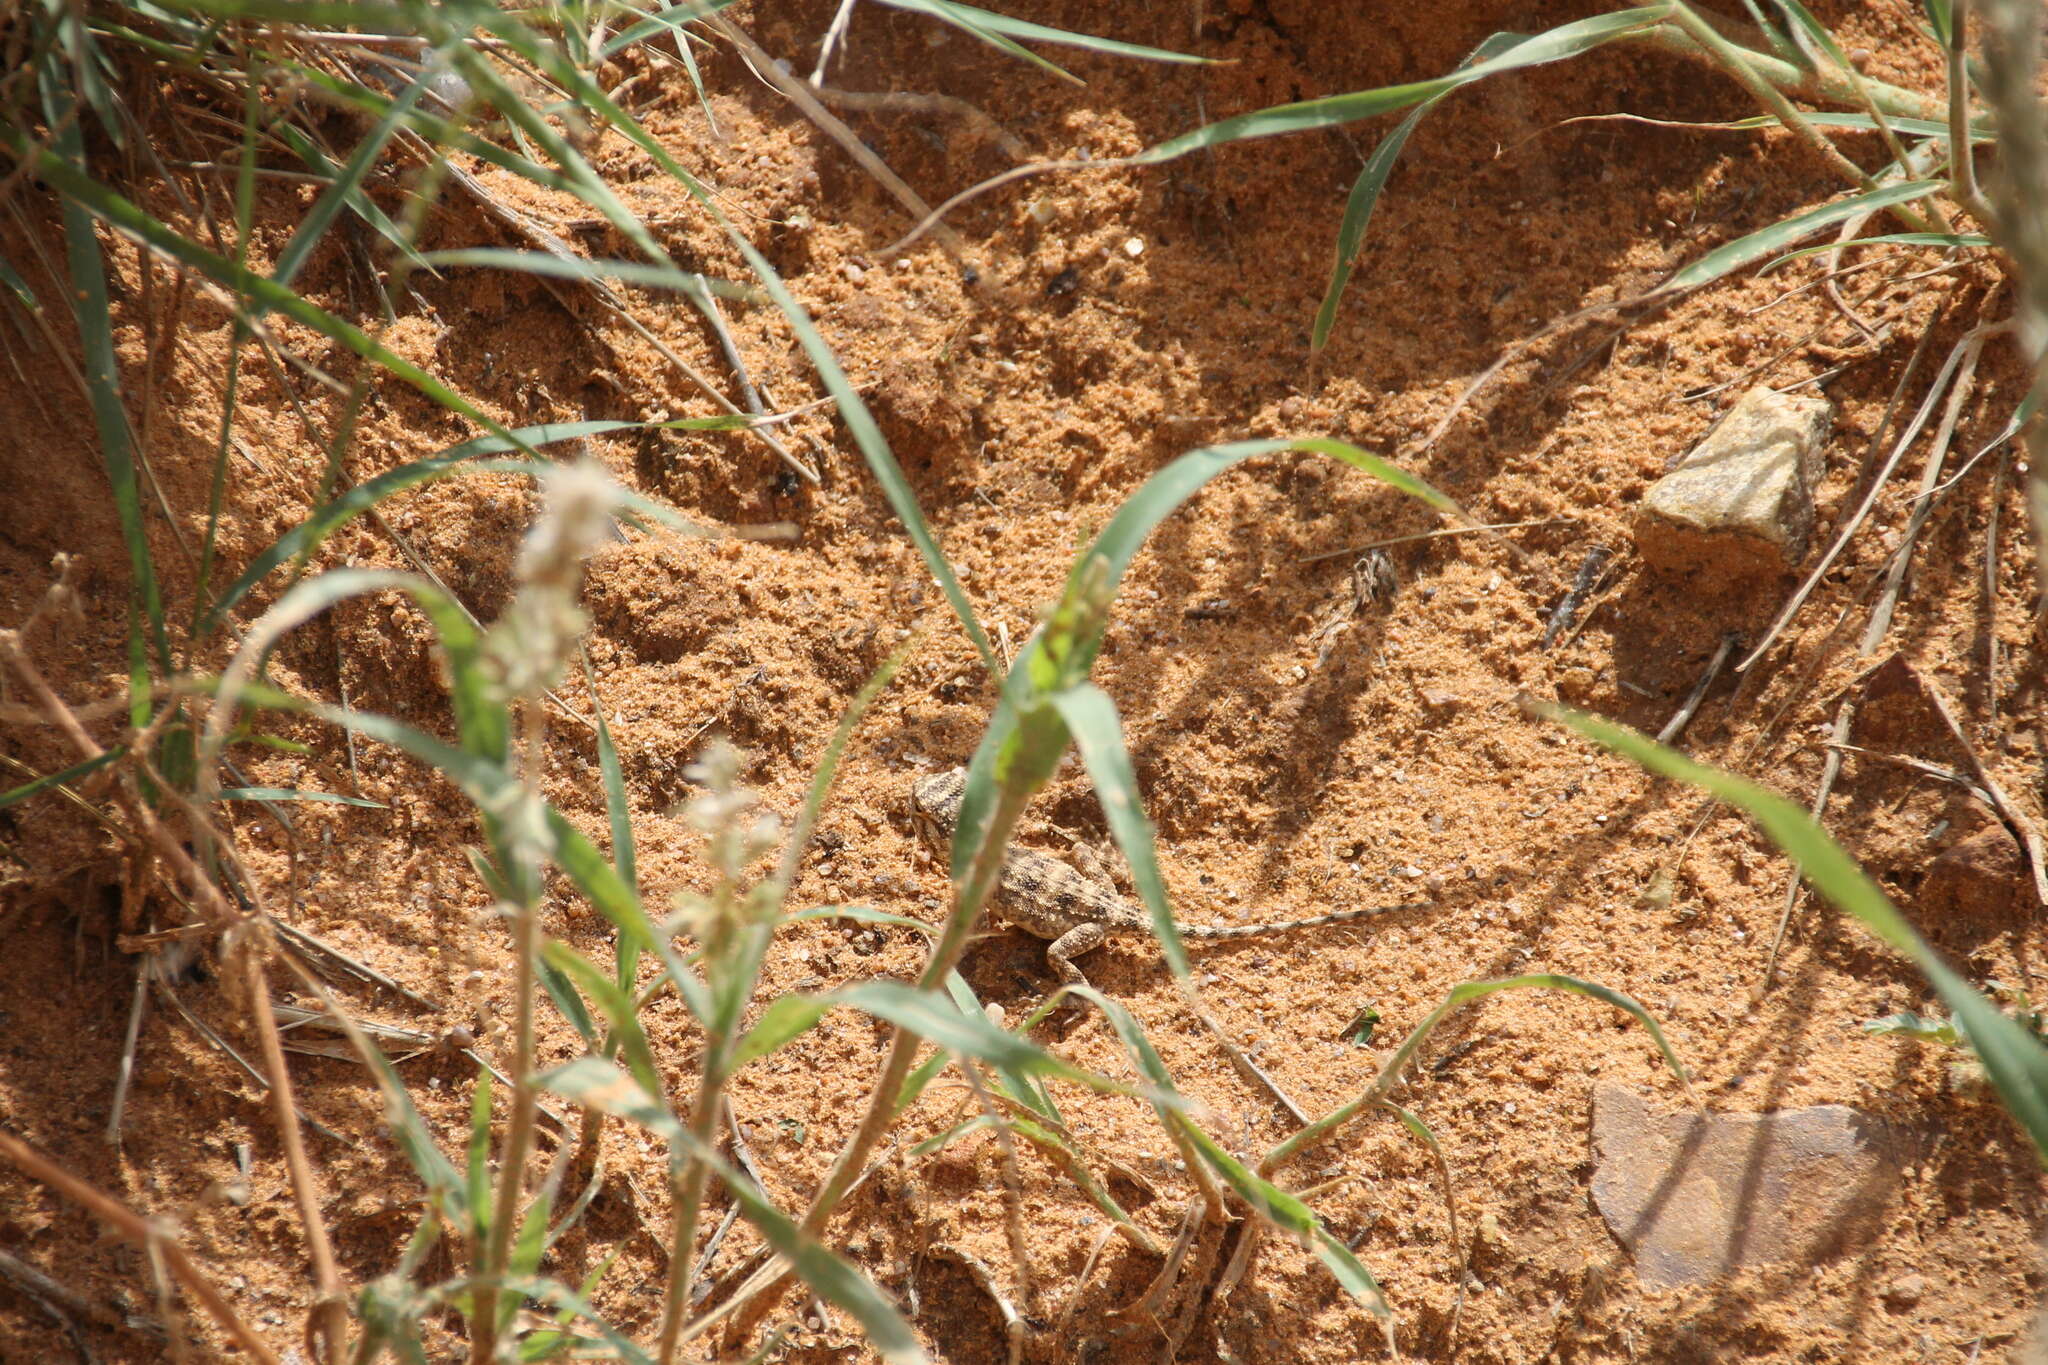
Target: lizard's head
<point>935,806</point>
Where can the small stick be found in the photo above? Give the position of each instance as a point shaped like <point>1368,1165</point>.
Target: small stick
<point>1013,1204</point>
<point>1895,577</point>
<point>1013,1325</point>
<point>834,31</point>
<point>901,101</point>
<point>132,1227</point>
<point>1855,521</point>
<point>1059,1330</point>
<point>1921,766</point>
<point>1991,588</point>
<point>1590,569</point>
<point>1432,535</point>
<point>318,953</point>
<point>1249,1069</point>
<point>1684,716</point>
<point>34,1286</point>
<point>136,1010</point>
<point>2015,819</point>
<point>805,99</point>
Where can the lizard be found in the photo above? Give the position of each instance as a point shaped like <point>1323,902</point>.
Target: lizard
<point>1072,911</point>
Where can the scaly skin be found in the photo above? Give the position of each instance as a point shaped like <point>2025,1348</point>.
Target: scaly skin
<point>1074,913</point>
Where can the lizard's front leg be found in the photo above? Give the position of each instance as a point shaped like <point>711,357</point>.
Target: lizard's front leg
<point>1062,951</point>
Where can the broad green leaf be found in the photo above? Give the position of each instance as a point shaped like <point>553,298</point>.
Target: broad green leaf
<point>478,1166</point>
<point>616,1005</point>
<point>562,992</point>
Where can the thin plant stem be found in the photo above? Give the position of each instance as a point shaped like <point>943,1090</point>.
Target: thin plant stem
<point>1960,154</point>
<point>982,873</point>
<point>689,1185</point>
<point>520,1126</point>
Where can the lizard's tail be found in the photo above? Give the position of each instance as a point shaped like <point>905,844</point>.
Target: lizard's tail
<point>1212,932</point>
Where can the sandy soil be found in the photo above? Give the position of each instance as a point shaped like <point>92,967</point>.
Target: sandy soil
<point>1119,319</point>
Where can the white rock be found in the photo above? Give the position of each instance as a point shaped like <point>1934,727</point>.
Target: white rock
<point>1747,487</point>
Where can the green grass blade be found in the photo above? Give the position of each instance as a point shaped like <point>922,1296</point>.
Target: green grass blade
<point>1809,35</point>
<point>1020,1086</point>
<point>966,19</point>
<point>58,779</point>
<point>479,720</point>
<point>1734,255</point>
<point>93,314</point>
<point>626,951</point>
<point>2015,1060</point>
<point>570,1306</point>
<point>988,26</point>
<point>787,1018</point>
<point>18,287</point>
<point>1164,492</point>
<point>299,543</point>
<point>618,902</point>
<point>934,1018</point>
<point>1365,192</point>
<point>586,270</point>
<point>489,786</point>
<point>597,1084</point>
<point>615,1003</point>
<point>262,293</point>
<point>89,68</point>
<point>860,424</point>
<point>1460,995</point>
<point>347,184</point>
<point>661,21</point>
<point>446,1189</point>
<point>477,1168</point>
<point>1290,1214</point>
<point>828,767</point>
<point>1940,19</point>
<point>853,410</point>
<point>562,991</point>
<point>1092,719</point>
<point>1942,239</point>
<point>359,203</point>
<point>1566,40</point>
<point>861,914</point>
